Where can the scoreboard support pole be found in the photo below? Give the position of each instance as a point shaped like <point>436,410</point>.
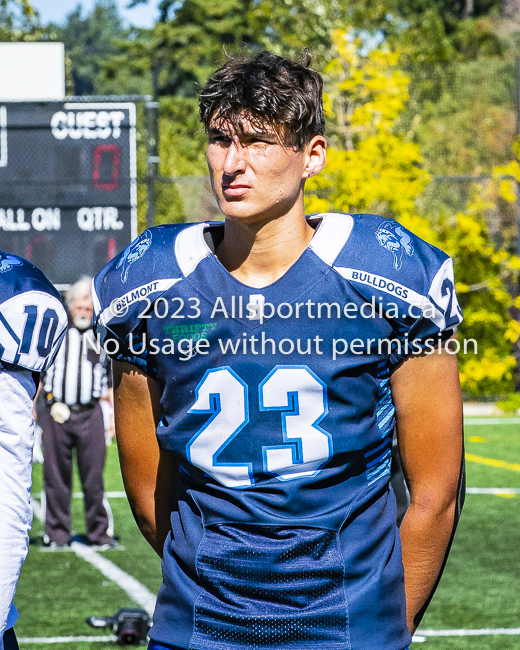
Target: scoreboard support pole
<point>152,108</point>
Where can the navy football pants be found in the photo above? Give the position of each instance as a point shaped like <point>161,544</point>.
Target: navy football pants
<point>10,642</point>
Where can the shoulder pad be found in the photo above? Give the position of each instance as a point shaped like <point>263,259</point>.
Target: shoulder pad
<point>387,263</point>
<point>133,280</point>
<point>32,318</point>
<point>383,246</point>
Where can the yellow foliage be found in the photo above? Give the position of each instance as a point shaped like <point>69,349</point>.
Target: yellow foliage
<point>372,167</point>
<point>375,169</point>
<point>513,331</point>
<point>371,86</point>
<point>482,317</point>
<point>486,367</point>
<point>511,169</point>
<point>421,227</point>
<point>507,190</point>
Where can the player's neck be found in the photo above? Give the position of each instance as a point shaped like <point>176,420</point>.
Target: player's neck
<point>259,254</point>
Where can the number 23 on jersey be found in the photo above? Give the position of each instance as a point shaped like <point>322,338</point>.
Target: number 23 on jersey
<point>295,391</point>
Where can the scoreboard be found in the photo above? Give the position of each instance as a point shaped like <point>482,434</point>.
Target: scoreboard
<point>68,194</point>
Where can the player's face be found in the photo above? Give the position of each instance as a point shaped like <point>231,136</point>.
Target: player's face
<point>255,177</point>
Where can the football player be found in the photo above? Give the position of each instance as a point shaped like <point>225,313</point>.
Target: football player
<point>32,325</point>
<point>261,365</point>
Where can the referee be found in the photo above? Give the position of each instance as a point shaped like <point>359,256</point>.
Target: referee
<point>72,418</point>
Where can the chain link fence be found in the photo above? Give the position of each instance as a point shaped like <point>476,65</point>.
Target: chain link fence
<point>466,118</point>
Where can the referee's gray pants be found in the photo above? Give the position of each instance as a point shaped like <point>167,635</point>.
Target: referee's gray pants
<point>84,431</point>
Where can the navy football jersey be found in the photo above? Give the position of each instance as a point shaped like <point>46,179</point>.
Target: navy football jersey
<point>277,404</point>
<point>32,317</point>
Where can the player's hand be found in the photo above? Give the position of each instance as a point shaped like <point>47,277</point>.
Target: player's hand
<point>112,427</point>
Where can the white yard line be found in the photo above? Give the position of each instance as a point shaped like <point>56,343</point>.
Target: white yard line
<point>108,495</point>
<point>137,592</point>
<point>492,490</point>
<point>140,594</point>
<point>513,631</point>
<point>68,639</point>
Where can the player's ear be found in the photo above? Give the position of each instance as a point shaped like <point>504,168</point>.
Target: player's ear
<point>316,156</point>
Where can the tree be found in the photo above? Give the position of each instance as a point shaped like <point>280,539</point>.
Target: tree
<point>193,37</point>
<point>463,116</point>
<point>469,7</point>
<point>19,21</point>
<point>90,41</point>
<point>371,166</point>
<point>374,167</point>
<point>451,11</point>
<point>186,49</point>
<point>437,31</point>
<point>484,274</point>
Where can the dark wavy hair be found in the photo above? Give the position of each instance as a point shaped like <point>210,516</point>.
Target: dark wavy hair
<point>267,90</point>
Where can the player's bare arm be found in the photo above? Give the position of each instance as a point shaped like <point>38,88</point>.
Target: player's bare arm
<point>148,473</point>
<point>426,393</point>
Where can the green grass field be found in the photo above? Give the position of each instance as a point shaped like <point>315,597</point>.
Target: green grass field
<point>480,587</point>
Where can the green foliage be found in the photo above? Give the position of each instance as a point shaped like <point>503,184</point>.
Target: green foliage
<point>90,41</point>
<point>511,405</point>
<point>193,37</point>
<point>442,30</point>
<point>452,12</point>
<point>291,26</point>
<point>463,115</point>
<point>19,21</point>
<point>371,166</point>
<point>129,69</point>
<point>182,151</point>
<point>182,142</point>
<point>188,48</point>
<point>375,167</point>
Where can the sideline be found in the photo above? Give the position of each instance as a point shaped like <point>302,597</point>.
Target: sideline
<point>137,592</point>
<point>484,421</point>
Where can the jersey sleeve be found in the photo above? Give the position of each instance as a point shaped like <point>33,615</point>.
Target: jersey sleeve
<point>410,281</point>
<point>439,312</point>
<point>32,318</point>
<point>125,291</point>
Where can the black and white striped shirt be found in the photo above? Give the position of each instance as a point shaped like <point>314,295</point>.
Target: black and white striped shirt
<point>80,375</point>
